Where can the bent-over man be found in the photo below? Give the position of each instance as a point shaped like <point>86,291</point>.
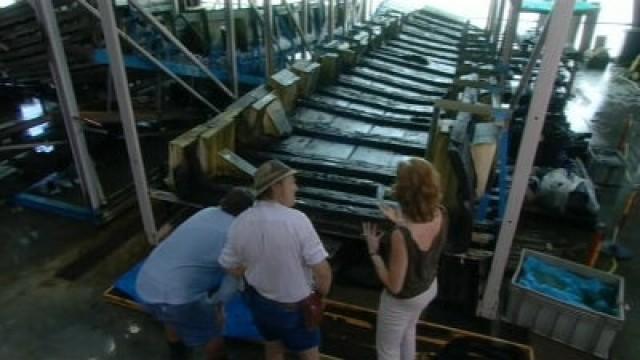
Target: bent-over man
<point>182,284</point>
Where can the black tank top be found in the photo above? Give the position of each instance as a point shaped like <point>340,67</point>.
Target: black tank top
<point>422,266</point>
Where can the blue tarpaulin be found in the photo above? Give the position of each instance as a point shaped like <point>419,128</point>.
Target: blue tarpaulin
<point>239,322</point>
<point>569,287</point>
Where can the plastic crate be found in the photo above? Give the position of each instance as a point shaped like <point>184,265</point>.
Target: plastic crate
<point>581,328</point>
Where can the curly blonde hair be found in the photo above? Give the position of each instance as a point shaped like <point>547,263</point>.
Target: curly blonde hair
<point>417,189</point>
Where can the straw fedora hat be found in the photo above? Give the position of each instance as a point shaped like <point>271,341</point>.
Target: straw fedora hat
<point>270,173</point>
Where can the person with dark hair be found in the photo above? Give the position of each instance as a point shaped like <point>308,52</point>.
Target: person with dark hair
<point>409,272</point>
<point>283,262</point>
<point>181,283</point>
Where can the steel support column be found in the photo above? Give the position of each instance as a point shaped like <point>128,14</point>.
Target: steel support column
<point>364,10</point>
<point>304,23</point>
<point>588,30</point>
<point>510,33</point>
<point>528,69</point>
<point>491,17</point>
<point>232,62</point>
<point>573,30</point>
<point>116,64</point>
<point>345,13</point>
<point>267,33</point>
<point>67,97</point>
<point>331,19</point>
<point>554,45</point>
<point>498,23</point>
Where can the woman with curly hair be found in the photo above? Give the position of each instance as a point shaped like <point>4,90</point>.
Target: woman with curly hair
<point>409,272</point>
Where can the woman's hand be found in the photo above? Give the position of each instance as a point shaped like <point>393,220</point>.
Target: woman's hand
<point>372,235</point>
<point>391,213</point>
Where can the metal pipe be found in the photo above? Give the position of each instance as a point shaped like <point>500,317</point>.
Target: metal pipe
<point>254,7</point>
<point>510,35</point>
<point>490,17</point>
<point>268,37</point>
<point>528,70</point>
<point>151,58</point>
<point>364,11</point>
<point>116,64</point>
<point>331,19</point>
<point>345,18</point>
<point>297,27</point>
<point>498,24</point>
<point>555,43</point>
<point>232,63</point>
<point>588,30</point>
<point>573,30</point>
<point>167,34</point>
<point>84,166</point>
<point>305,22</point>
<point>354,13</point>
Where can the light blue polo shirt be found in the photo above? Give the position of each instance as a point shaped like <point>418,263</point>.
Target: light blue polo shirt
<point>184,267</point>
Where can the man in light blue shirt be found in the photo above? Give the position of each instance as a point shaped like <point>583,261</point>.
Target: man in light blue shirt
<point>181,282</point>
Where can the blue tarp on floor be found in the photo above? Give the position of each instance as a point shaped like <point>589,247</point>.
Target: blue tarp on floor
<point>239,323</point>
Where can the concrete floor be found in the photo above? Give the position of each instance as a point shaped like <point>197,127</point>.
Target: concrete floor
<point>43,316</point>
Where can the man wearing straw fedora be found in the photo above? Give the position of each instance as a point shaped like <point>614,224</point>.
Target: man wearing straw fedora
<point>283,261</point>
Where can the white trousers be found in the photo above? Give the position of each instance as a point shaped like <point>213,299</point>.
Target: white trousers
<point>397,321</point>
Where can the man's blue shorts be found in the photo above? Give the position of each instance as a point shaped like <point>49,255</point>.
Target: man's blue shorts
<point>281,322</point>
<point>195,322</point>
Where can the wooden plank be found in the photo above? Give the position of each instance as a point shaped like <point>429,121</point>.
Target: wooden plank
<point>319,148</point>
<point>368,155</point>
<point>391,91</point>
<point>380,141</point>
<point>421,77</point>
<point>417,48</point>
<point>410,84</point>
<point>369,115</point>
<point>415,62</point>
<point>362,313</point>
<point>378,101</point>
<point>381,174</point>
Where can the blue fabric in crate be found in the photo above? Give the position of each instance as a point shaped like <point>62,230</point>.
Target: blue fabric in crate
<point>568,287</point>
<point>239,322</point>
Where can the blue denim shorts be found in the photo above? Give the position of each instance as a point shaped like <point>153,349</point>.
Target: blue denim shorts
<point>195,322</point>
<point>280,322</point>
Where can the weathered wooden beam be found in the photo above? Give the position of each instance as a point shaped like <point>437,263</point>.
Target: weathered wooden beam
<point>374,141</point>
<point>369,115</point>
<point>390,79</point>
<point>418,48</point>
<point>381,174</point>
<point>390,91</point>
<point>417,63</point>
<point>377,101</point>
